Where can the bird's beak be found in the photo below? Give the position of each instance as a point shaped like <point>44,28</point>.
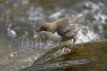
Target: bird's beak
<point>35,33</point>
<point>38,31</point>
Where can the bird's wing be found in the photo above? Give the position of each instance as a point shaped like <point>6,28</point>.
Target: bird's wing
<point>73,31</point>
<point>67,27</point>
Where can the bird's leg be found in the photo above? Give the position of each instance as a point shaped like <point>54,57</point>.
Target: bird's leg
<point>61,43</point>
<point>74,39</point>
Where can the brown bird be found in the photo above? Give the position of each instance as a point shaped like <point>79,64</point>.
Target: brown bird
<point>64,29</point>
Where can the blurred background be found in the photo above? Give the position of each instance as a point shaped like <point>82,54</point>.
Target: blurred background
<point>19,18</point>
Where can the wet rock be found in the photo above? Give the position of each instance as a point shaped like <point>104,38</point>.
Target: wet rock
<point>91,56</point>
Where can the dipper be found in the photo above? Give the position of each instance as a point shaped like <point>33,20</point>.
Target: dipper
<point>64,29</point>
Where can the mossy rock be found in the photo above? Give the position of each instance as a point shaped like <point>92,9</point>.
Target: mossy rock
<point>91,56</point>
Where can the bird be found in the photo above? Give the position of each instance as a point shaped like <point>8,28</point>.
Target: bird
<point>64,29</point>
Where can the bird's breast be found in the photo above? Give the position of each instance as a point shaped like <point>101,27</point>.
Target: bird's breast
<point>54,36</point>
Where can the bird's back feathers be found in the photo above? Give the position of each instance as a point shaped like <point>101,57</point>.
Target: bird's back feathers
<point>68,27</point>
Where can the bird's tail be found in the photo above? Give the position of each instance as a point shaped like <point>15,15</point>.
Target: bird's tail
<point>88,15</point>
<point>85,17</point>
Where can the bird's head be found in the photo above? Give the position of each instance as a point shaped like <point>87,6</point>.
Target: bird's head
<point>46,27</point>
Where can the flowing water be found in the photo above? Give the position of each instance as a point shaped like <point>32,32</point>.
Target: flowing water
<point>19,18</point>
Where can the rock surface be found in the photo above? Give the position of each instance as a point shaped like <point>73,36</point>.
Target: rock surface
<point>91,56</point>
